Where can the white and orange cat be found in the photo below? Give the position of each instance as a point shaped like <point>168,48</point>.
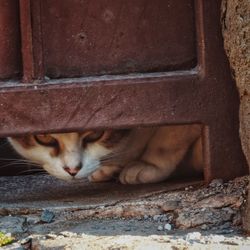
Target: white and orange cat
<point>139,155</point>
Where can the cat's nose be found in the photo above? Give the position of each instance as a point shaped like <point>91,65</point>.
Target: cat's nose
<point>73,171</point>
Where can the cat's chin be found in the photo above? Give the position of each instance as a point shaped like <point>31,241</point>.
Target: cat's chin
<point>65,178</point>
<point>71,178</point>
<point>75,179</point>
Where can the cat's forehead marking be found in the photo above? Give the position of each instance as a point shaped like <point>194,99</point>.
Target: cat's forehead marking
<point>66,137</point>
<point>26,141</point>
<point>66,142</point>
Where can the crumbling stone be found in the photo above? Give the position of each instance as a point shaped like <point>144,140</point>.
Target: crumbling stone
<point>236,33</point>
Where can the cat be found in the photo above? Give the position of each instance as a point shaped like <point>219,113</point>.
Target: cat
<point>135,156</point>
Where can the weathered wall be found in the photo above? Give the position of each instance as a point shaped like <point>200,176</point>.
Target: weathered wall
<point>236,32</point>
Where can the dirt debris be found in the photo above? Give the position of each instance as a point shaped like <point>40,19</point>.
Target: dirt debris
<point>192,240</point>
<point>188,218</point>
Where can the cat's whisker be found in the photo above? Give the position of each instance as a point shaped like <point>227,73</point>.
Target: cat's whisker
<point>4,144</point>
<point>23,162</point>
<point>10,164</point>
<point>18,164</point>
<point>111,157</point>
<point>9,159</point>
<point>35,171</point>
<point>116,154</point>
<point>16,160</point>
<point>92,168</point>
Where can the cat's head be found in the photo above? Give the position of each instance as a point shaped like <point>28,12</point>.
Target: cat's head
<point>70,155</point>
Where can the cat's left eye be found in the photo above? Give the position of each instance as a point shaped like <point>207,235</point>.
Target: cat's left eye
<point>92,137</point>
<point>46,140</point>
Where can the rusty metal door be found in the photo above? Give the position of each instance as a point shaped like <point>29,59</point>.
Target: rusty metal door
<point>118,63</point>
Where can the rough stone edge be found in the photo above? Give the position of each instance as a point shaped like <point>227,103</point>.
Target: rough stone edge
<point>235,20</point>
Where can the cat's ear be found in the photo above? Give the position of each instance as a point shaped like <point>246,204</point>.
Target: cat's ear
<point>93,136</point>
<point>26,141</point>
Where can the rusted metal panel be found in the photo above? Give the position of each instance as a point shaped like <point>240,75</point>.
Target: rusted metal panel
<point>205,94</point>
<point>10,64</point>
<point>94,37</point>
<point>31,40</point>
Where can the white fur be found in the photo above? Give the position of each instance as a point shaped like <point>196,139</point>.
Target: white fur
<point>91,159</point>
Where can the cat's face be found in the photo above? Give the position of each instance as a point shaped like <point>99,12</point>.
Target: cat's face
<point>69,155</point>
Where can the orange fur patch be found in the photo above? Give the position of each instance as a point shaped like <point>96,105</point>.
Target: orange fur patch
<point>54,152</point>
<point>113,137</point>
<point>26,141</point>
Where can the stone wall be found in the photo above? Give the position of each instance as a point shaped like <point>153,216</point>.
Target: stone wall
<point>236,32</point>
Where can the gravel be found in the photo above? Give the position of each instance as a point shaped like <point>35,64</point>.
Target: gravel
<point>200,217</point>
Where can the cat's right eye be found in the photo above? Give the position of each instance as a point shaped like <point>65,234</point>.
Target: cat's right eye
<point>46,140</point>
<point>92,137</point>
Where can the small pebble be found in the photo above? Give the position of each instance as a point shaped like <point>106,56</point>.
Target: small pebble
<point>47,216</point>
<point>67,234</point>
<point>33,220</point>
<point>204,227</point>
<point>26,243</point>
<point>164,219</point>
<point>216,183</point>
<point>188,188</point>
<point>127,229</point>
<point>160,228</point>
<point>156,217</point>
<point>217,238</point>
<point>167,227</point>
<point>51,236</point>
<point>226,225</point>
<point>193,236</point>
<point>170,205</point>
<point>145,217</point>
<point>25,240</point>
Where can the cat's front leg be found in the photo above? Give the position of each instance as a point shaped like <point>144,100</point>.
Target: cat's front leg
<point>139,172</point>
<point>104,173</point>
<point>156,165</point>
<point>164,152</point>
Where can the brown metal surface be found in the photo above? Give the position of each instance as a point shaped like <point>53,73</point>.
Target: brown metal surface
<point>10,64</point>
<point>94,37</point>
<point>205,94</point>
<point>31,40</point>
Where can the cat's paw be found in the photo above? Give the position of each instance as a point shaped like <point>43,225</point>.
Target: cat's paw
<point>104,173</point>
<point>140,172</point>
